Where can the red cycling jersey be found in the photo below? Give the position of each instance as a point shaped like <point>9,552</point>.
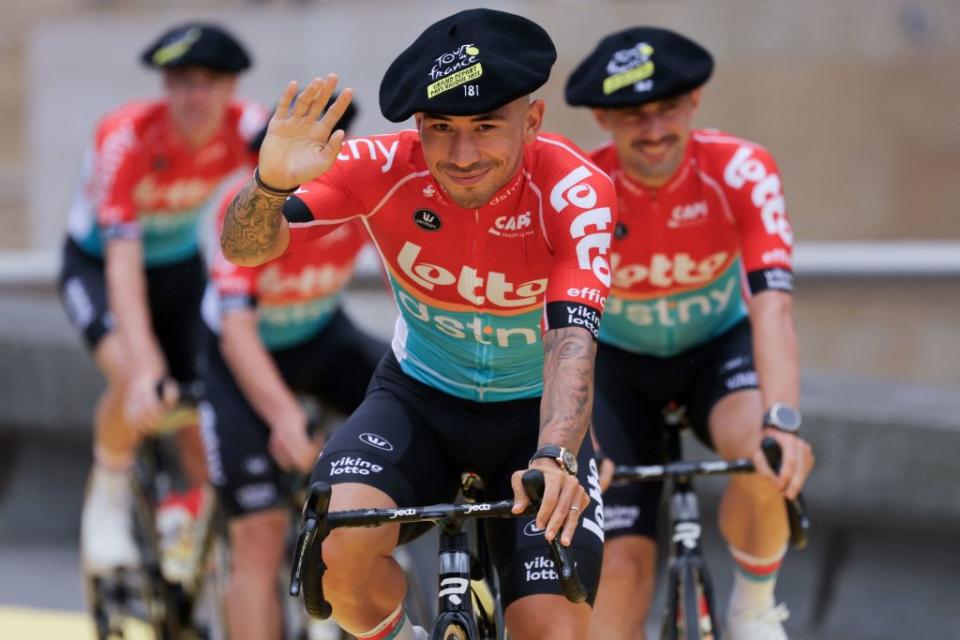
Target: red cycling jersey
<point>296,294</point>
<point>142,178</point>
<point>686,254</point>
<point>475,287</point>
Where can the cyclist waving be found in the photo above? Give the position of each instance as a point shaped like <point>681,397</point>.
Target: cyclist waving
<point>271,332</point>
<point>132,275</point>
<point>700,312</point>
<point>495,238</point>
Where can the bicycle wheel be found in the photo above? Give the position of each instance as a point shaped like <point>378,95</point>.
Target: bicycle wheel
<point>484,609</point>
<point>690,603</point>
<point>454,632</point>
<point>695,614</point>
<point>671,610</point>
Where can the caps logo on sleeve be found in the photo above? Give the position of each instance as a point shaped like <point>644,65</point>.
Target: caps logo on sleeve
<point>196,44</point>
<point>638,65</point>
<point>470,63</point>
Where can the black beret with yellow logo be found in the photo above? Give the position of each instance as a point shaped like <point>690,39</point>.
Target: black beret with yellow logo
<point>636,66</point>
<point>470,63</point>
<point>197,44</point>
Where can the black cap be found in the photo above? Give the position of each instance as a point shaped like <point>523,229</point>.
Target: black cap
<point>343,123</point>
<point>636,66</point>
<point>470,63</point>
<point>197,44</point>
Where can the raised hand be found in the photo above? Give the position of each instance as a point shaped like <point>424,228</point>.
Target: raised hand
<point>298,146</point>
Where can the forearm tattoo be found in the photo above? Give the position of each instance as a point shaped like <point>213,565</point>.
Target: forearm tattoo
<point>252,225</point>
<point>567,386</point>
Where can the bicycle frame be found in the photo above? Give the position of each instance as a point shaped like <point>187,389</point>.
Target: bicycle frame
<point>690,602</point>
<point>457,569</point>
<point>146,594</point>
<point>688,576</point>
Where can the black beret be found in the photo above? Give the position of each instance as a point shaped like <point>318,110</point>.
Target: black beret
<point>470,63</point>
<point>636,66</point>
<point>197,44</point>
<point>343,123</point>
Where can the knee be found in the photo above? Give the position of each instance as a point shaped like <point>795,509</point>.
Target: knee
<point>755,488</point>
<point>533,618</point>
<point>630,563</point>
<point>257,545</point>
<point>737,442</point>
<point>350,554</point>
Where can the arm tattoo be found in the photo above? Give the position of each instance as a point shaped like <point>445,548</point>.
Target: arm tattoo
<point>567,386</point>
<point>252,225</point>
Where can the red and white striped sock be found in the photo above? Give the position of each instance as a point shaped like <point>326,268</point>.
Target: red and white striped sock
<point>754,580</point>
<point>396,626</point>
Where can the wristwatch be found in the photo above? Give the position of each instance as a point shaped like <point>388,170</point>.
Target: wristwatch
<point>563,457</point>
<point>782,417</point>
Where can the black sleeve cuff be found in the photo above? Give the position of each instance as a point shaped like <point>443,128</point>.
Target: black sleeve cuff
<point>296,210</point>
<point>777,279</point>
<point>573,314</point>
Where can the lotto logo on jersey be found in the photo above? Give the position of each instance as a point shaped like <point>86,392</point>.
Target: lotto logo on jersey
<point>767,194</point>
<point>309,282</point>
<point>493,288</point>
<point>592,228</point>
<point>179,194</point>
<point>668,271</point>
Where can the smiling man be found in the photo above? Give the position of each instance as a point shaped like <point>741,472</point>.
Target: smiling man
<point>495,237</point>
<point>700,313</point>
<point>132,274</point>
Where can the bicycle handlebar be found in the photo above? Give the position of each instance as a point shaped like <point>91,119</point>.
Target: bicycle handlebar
<point>797,514</point>
<point>573,589</point>
<point>187,393</point>
<point>624,474</point>
<point>317,522</point>
<point>796,509</point>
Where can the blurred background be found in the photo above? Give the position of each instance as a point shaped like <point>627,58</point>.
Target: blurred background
<point>857,101</point>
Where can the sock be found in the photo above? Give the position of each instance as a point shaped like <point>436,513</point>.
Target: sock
<point>111,461</point>
<point>396,626</point>
<point>754,580</point>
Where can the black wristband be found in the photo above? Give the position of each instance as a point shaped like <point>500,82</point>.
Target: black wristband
<point>270,191</point>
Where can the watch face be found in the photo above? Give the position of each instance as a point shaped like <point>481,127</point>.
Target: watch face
<point>569,461</point>
<point>785,417</point>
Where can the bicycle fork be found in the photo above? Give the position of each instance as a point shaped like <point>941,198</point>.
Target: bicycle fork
<point>455,605</point>
<point>690,598</point>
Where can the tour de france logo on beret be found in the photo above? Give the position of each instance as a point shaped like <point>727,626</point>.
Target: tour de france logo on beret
<point>177,48</point>
<point>455,68</point>
<point>426,219</point>
<point>631,66</point>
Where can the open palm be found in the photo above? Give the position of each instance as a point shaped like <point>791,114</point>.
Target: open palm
<point>300,145</point>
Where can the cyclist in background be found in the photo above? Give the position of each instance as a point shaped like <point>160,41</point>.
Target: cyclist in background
<point>132,276</point>
<point>700,311</point>
<point>495,239</point>
<point>273,331</point>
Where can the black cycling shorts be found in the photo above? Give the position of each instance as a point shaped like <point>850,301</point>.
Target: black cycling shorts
<point>173,296</point>
<point>334,366</point>
<point>413,442</point>
<point>631,392</point>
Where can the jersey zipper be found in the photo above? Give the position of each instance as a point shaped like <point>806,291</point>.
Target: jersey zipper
<point>667,337</point>
<point>483,350</point>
